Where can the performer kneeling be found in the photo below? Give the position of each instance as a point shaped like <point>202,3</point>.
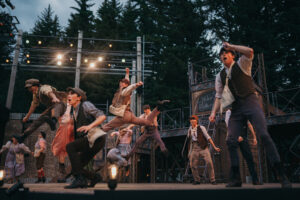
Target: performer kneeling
<point>87,140</point>
<point>198,148</point>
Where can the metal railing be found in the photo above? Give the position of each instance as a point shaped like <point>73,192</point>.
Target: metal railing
<point>285,101</point>
<point>174,118</point>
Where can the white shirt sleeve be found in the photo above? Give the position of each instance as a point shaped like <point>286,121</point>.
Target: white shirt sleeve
<point>205,132</point>
<point>129,89</point>
<point>219,86</point>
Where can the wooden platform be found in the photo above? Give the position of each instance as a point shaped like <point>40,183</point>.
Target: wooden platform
<point>153,191</point>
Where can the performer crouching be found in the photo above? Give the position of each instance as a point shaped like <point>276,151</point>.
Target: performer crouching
<point>198,148</point>
<point>89,139</point>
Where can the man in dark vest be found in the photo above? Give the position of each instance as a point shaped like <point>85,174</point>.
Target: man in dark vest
<point>245,107</point>
<point>86,119</point>
<point>51,98</point>
<point>198,148</point>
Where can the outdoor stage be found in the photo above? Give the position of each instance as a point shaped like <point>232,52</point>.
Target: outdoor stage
<point>157,191</point>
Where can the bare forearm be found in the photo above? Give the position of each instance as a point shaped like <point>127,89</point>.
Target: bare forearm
<point>212,143</point>
<point>248,52</point>
<point>216,106</point>
<point>98,121</point>
<point>31,110</point>
<point>252,131</point>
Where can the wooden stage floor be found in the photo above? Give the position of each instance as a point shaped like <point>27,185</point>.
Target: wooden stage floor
<point>59,187</point>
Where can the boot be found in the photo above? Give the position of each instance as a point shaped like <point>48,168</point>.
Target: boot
<point>235,178</point>
<point>62,173</point>
<point>38,180</point>
<point>43,179</point>
<point>285,183</point>
<point>79,182</point>
<point>95,180</point>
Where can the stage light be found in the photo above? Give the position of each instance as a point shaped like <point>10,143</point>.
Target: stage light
<point>27,55</point>
<point>71,59</point>
<point>100,59</point>
<point>7,60</point>
<point>113,175</point>
<point>27,41</point>
<point>28,61</point>
<point>86,60</point>
<point>110,45</point>
<point>123,60</point>
<point>92,65</point>
<point>2,175</point>
<point>59,57</point>
<point>71,44</point>
<point>39,42</point>
<point>109,65</point>
<point>59,63</point>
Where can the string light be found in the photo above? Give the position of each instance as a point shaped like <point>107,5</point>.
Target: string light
<point>39,42</point>
<point>100,59</point>
<point>86,60</point>
<point>92,65</point>
<point>59,63</point>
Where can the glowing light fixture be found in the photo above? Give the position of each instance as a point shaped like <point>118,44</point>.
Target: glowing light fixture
<point>113,175</point>
<point>86,60</point>
<point>100,59</point>
<point>27,41</point>
<point>39,42</point>
<point>59,63</point>
<point>123,60</point>
<point>92,65</point>
<point>59,56</point>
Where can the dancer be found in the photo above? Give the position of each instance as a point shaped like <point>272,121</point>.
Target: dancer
<point>245,149</point>
<point>51,98</point>
<point>89,139</point>
<point>14,162</point>
<point>116,155</point>
<point>121,106</point>
<point>198,148</point>
<point>64,135</point>
<point>245,107</point>
<point>39,154</point>
<point>149,131</point>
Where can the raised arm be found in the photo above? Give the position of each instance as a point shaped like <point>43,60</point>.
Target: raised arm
<point>127,74</point>
<point>248,52</point>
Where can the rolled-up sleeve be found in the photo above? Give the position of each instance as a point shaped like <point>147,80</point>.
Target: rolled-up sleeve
<point>245,64</point>
<point>205,132</point>
<point>218,86</point>
<point>46,89</point>
<point>90,109</point>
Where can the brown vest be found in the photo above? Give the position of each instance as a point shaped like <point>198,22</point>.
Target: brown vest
<point>47,101</point>
<point>240,84</point>
<point>200,138</point>
<point>119,100</point>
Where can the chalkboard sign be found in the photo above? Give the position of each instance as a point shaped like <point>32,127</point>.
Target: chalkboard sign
<point>206,101</point>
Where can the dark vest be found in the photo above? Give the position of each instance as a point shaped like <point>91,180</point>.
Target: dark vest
<point>240,84</point>
<point>200,138</point>
<point>82,120</point>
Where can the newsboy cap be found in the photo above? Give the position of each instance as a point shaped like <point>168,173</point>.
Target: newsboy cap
<point>32,82</point>
<point>78,91</point>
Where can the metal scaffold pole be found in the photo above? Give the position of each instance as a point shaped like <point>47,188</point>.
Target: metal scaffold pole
<point>78,60</point>
<point>13,74</point>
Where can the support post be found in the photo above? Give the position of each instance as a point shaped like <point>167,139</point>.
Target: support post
<point>13,73</point>
<point>78,60</point>
<point>139,73</point>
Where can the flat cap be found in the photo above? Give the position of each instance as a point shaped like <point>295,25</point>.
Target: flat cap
<point>32,82</point>
<point>78,91</point>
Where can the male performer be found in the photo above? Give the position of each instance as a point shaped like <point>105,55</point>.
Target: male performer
<point>149,131</point>
<point>121,106</point>
<point>51,98</point>
<point>122,149</point>
<point>198,148</point>
<point>245,107</point>
<point>80,152</point>
<point>244,147</point>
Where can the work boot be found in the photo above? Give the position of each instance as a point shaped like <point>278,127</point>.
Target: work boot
<point>78,182</point>
<point>285,183</point>
<point>235,177</point>
<point>38,180</point>
<point>160,104</point>
<point>95,180</point>
<point>62,173</point>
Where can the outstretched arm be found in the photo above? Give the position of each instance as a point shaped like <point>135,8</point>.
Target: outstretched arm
<point>31,110</point>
